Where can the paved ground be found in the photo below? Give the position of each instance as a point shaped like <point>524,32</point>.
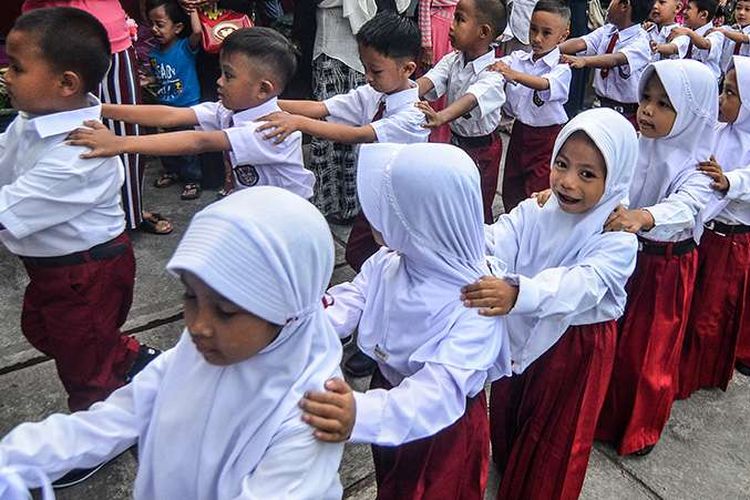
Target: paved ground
<point>704,453</point>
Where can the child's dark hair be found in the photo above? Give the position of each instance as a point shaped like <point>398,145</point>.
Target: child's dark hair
<point>391,35</point>
<point>554,7</point>
<point>267,47</point>
<point>493,13</point>
<point>710,6</point>
<point>640,10</point>
<point>69,39</point>
<point>174,12</point>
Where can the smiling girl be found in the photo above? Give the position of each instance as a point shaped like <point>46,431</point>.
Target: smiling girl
<point>677,116</point>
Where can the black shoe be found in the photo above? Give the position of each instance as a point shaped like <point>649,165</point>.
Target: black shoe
<point>76,476</point>
<point>146,355</point>
<point>742,368</point>
<point>360,365</point>
<point>644,451</point>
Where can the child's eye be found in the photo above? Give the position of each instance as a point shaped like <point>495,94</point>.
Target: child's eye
<point>560,165</point>
<point>226,311</point>
<point>588,174</point>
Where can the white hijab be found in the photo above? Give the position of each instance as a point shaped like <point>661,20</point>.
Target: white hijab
<point>665,163</point>
<point>732,149</point>
<point>271,253</point>
<point>552,238</point>
<point>425,199</point>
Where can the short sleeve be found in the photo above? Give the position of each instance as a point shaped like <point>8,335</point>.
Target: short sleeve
<point>207,114</point>
<point>559,83</point>
<point>439,76</point>
<point>638,55</point>
<point>249,147</point>
<point>404,127</point>
<point>351,108</point>
<point>594,40</point>
<point>489,90</point>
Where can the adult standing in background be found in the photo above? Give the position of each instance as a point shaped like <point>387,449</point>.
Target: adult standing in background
<point>120,86</point>
<point>579,26</point>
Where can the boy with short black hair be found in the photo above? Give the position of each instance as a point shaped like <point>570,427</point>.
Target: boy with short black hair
<point>538,88</point>
<point>61,214</point>
<point>475,94</point>
<point>662,20</point>
<point>256,65</point>
<point>619,51</point>
<point>697,39</point>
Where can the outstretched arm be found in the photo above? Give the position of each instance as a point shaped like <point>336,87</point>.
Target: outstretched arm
<point>279,126</point>
<point>150,115</point>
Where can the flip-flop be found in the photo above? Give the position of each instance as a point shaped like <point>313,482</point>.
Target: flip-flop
<point>150,224</point>
<point>166,180</point>
<point>191,191</point>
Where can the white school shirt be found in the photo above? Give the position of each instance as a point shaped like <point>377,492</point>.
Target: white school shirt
<point>52,202</point>
<point>710,57</point>
<point>538,108</point>
<point>295,465</point>
<point>727,50</point>
<point>738,209</point>
<point>454,76</point>
<point>621,84</point>
<point>255,160</point>
<point>401,122</point>
<point>660,35</point>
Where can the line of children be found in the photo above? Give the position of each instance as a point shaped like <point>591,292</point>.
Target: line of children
<point>256,65</point>
<point>475,95</point>
<point>718,315</point>
<point>619,51</point>
<point>538,86</point>
<point>677,117</point>
<point>425,412</point>
<point>62,214</point>
<point>562,290</point>
<point>217,416</point>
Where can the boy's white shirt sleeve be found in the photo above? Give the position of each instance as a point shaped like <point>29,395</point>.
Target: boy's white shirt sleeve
<point>679,211</point>
<point>249,147</point>
<point>439,75</point>
<point>739,184</point>
<point>559,78</point>
<point>637,53</point>
<point>207,114</point>
<point>312,473</point>
<point>489,91</point>
<point>593,40</point>
<point>420,406</point>
<point>350,108</point>
<point>32,452</point>
<point>346,301</point>
<point>61,180</point>
<point>403,127</point>
<point>682,43</point>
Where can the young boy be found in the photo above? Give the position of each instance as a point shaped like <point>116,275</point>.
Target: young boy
<point>475,94</point>
<point>619,51</point>
<point>661,23</point>
<point>697,39</point>
<point>537,77</point>
<point>256,65</point>
<point>737,37</point>
<point>61,214</point>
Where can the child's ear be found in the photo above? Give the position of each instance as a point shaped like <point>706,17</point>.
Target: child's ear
<point>564,36</point>
<point>409,68</point>
<point>485,31</point>
<point>267,88</point>
<point>178,27</point>
<point>70,84</point>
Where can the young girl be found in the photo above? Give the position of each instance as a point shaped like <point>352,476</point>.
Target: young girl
<point>677,115</point>
<point>176,81</point>
<point>425,412</point>
<point>722,289</point>
<point>562,292</point>
<point>216,417</point>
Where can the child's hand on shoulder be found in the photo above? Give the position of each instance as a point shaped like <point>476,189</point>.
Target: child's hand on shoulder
<point>279,125</point>
<point>102,141</point>
<point>542,197</point>
<point>712,169</point>
<point>508,73</point>
<point>330,413</point>
<point>680,30</point>
<point>494,296</point>
<point>574,62</point>
<point>433,119</point>
<point>629,221</point>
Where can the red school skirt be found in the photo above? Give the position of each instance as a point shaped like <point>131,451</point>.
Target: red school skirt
<point>451,464</point>
<point>718,313</point>
<point>542,422</point>
<point>487,152</point>
<point>650,337</point>
<point>528,161</point>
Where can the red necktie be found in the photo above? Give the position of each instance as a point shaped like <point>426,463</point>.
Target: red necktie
<point>610,47</point>
<point>379,113</point>
<point>737,46</point>
<point>689,53</point>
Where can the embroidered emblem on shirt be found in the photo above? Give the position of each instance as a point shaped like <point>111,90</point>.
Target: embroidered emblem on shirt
<point>537,100</point>
<point>246,175</point>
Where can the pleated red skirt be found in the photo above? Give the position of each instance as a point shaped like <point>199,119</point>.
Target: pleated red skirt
<point>487,159</point>
<point>718,313</point>
<point>451,464</point>
<point>650,337</point>
<point>542,421</point>
<point>361,243</point>
<point>527,164</point>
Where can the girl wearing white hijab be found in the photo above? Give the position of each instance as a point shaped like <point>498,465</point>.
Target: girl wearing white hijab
<point>677,116</point>
<point>563,288</point>
<point>722,288</point>
<point>216,417</point>
<point>425,412</point>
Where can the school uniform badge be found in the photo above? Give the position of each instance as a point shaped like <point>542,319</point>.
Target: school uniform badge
<point>247,175</point>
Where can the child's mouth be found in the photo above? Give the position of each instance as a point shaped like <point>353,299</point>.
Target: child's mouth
<point>566,200</point>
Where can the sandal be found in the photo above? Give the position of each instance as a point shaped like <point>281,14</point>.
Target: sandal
<point>190,191</point>
<point>155,223</point>
<point>166,180</point>
<point>223,193</point>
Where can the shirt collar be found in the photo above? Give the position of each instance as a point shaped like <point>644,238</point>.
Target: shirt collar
<point>630,32</point>
<point>746,29</point>
<point>551,59</point>
<point>402,98</point>
<point>65,121</point>
<point>481,62</point>
<point>252,114</point>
